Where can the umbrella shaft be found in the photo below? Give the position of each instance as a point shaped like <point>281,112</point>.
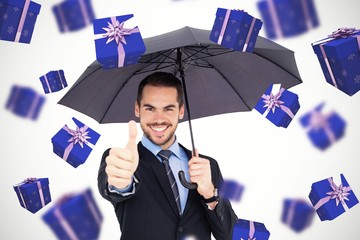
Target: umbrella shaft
<point>179,62</point>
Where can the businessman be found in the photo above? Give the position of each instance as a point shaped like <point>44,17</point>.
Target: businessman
<point>141,179</point>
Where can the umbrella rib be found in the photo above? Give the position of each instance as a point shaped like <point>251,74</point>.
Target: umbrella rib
<point>232,87</point>
<point>287,71</point>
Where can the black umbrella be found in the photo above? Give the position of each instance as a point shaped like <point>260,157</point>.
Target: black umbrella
<point>216,80</point>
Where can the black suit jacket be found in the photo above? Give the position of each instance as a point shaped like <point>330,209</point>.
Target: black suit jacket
<point>151,213</point>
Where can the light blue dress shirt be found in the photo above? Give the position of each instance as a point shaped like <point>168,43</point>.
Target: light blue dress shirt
<point>178,161</point>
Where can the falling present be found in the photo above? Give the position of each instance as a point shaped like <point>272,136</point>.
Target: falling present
<point>25,102</point>
<point>73,15</point>
<point>331,200</point>
<point>323,128</point>
<point>33,193</point>
<point>115,45</point>
<point>278,105</point>
<point>298,214</point>
<point>53,81</point>
<point>287,18</point>
<point>74,145</point>
<point>231,190</point>
<point>250,230</point>
<point>235,29</point>
<point>75,216</point>
<point>339,58</point>
<point>17,21</point>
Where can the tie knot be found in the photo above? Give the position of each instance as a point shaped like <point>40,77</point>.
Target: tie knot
<point>165,154</point>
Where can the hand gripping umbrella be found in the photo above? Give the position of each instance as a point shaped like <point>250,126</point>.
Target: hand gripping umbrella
<point>216,80</point>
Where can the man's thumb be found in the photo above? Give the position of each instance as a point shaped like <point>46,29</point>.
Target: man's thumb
<point>132,136</point>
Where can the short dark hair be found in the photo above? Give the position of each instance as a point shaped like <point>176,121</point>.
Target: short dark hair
<point>162,79</point>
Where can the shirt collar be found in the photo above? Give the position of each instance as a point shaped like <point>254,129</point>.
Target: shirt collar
<point>155,149</point>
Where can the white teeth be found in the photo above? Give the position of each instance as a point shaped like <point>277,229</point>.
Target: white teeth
<point>158,129</point>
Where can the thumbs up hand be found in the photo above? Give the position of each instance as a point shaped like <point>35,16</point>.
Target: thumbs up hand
<point>122,162</point>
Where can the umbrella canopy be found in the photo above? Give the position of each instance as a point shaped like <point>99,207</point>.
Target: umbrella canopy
<point>216,80</point>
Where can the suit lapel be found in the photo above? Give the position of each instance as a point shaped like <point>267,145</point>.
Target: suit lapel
<point>160,174</point>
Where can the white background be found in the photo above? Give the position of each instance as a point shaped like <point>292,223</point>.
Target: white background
<point>272,163</point>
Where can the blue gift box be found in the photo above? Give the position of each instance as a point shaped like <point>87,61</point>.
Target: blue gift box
<point>25,102</point>
<point>328,198</point>
<point>18,18</point>
<point>33,193</point>
<point>66,146</point>
<point>340,62</point>
<point>231,190</point>
<point>243,228</point>
<point>282,114</point>
<point>287,18</point>
<point>323,128</point>
<point>75,216</point>
<point>73,15</point>
<point>53,81</point>
<point>297,214</point>
<point>235,29</point>
<point>113,54</point>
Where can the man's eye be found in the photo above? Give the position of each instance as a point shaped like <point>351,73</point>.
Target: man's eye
<point>168,109</point>
<point>149,109</point>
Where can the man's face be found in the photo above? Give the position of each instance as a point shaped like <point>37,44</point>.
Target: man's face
<point>159,114</point>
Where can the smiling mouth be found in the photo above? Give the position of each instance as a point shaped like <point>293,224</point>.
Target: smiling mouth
<point>159,129</point>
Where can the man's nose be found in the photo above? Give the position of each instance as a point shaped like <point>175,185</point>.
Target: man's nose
<point>159,115</point>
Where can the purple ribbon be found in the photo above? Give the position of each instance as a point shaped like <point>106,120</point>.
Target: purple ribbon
<point>249,34</point>
<point>291,212</point>
<point>92,209</point>
<point>33,106</point>
<point>22,20</point>
<point>79,136</point>
<point>320,121</point>
<point>64,224</point>
<point>273,101</point>
<point>116,31</point>
<point>222,31</point>
<point>84,12</point>
<point>339,193</point>
<point>251,231</point>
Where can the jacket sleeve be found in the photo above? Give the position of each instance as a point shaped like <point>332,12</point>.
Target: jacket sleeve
<point>103,185</point>
<point>223,218</point>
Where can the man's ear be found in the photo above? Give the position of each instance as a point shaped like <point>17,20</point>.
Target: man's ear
<point>137,109</point>
<point>181,112</point>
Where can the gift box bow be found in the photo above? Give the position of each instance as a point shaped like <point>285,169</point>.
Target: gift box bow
<point>251,231</point>
<point>343,32</point>
<point>116,31</point>
<point>272,101</point>
<point>339,193</point>
<point>78,136</point>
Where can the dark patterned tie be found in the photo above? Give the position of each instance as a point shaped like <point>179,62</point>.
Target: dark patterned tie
<point>165,155</point>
